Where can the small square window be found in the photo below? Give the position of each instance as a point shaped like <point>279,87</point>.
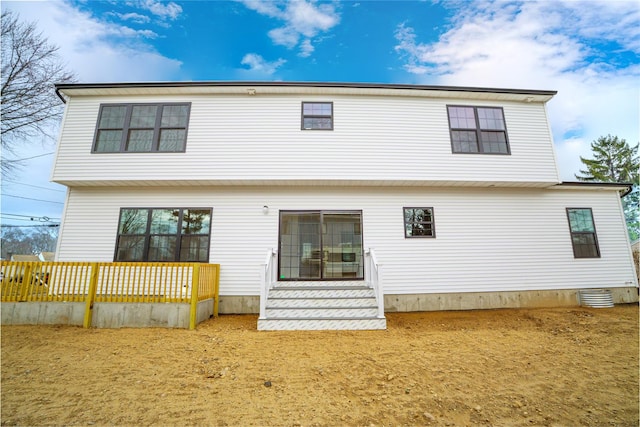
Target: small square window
<point>419,222</point>
<point>317,115</point>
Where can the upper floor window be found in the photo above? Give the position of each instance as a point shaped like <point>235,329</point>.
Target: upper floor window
<point>142,128</point>
<point>317,115</point>
<point>583,233</point>
<point>419,222</point>
<point>173,234</point>
<point>478,130</point>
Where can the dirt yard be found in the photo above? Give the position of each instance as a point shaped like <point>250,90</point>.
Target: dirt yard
<point>558,367</point>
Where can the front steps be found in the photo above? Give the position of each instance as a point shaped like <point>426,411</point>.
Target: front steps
<point>338,305</point>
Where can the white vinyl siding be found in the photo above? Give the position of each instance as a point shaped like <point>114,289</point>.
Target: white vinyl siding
<point>254,140</point>
<point>488,239</point>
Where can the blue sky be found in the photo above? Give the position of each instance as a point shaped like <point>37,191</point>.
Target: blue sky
<point>589,51</point>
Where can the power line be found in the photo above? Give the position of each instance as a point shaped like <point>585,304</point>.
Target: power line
<point>22,219</point>
<point>46,218</point>
<point>27,226</point>
<point>32,219</point>
<point>28,158</point>
<point>35,186</point>
<point>29,198</point>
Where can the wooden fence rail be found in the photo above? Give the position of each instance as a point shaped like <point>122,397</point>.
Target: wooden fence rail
<point>122,282</point>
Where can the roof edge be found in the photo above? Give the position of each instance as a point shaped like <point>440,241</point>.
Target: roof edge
<point>62,86</point>
<point>627,186</point>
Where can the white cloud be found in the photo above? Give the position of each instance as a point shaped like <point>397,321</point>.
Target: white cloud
<point>607,20</point>
<point>306,48</point>
<point>302,19</point>
<point>257,64</point>
<point>96,50</point>
<point>161,9</point>
<point>543,45</point>
<point>133,17</point>
<point>284,36</point>
<point>264,7</point>
<point>308,19</point>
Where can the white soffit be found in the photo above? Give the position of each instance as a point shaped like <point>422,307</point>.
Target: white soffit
<point>257,89</point>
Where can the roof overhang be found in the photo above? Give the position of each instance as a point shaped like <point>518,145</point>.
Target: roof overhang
<point>623,187</point>
<point>257,88</point>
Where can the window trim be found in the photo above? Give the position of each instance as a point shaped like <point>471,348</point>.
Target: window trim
<point>594,233</point>
<point>311,116</point>
<point>127,127</point>
<point>179,234</point>
<point>432,222</point>
<point>478,130</point>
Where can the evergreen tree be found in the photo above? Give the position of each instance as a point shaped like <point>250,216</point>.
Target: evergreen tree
<point>614,160</point>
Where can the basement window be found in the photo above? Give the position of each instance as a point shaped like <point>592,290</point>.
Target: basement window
<point>583,233</point>
<point>163,235</point>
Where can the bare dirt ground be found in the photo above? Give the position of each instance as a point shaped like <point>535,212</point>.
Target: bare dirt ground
<point>558,367</point>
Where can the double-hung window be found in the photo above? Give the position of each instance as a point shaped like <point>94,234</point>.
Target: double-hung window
<point>583,233</point>
<point>317,116</point>
<point>163,234</point>
<point>478,130</point>
<point>141,128</point>
<point>419,222</point>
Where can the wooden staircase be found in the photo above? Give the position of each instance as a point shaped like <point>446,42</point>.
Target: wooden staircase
<point>322,305</point>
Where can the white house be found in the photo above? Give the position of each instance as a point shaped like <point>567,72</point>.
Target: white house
<point>438,198</point>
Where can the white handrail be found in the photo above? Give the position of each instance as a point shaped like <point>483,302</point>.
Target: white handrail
<point>267,279</point>
<point>374,273</point>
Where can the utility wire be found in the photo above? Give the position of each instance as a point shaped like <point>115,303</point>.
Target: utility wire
<point>26,226</point>
<point>32,219</point>
<point>27,216</point>
<point>34,186</point>
<point>28,158</point>
<point>29,198</point>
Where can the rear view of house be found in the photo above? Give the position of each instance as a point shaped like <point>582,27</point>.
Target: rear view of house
<point>327,204</point>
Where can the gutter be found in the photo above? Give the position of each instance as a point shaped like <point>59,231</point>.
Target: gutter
<point>628,186</point>
<point>62,98</point>
<point>63,86</point>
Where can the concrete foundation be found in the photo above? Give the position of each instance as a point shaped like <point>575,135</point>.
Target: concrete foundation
<point>43,313</point>
<point>235,304</point>
<point>230,304</point>
<point>138,315</point>
<point>105,315</point>
<point>204,310</point>
<point>492,300</point>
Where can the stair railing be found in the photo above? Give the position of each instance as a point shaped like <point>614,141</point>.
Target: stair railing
<point>268,274</point>
<point>374,274</point>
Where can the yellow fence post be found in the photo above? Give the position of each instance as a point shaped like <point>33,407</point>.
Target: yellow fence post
<point>91,295</point>
<point>195,283</point>
<point>216,290</point>
<point>25,282</point>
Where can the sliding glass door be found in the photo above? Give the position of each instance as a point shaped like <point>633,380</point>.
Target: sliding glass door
<point>318,245</point>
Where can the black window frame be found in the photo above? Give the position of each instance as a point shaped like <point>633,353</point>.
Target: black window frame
<point>577,253</point>
<point>179,234</point>
<point>127,128</point>
<point>478,130</point>
<point>432,223</point>
<point>316,116</point>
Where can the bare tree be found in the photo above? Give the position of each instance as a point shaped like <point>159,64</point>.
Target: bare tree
<point>30,67</point>
<point>27,240</point>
